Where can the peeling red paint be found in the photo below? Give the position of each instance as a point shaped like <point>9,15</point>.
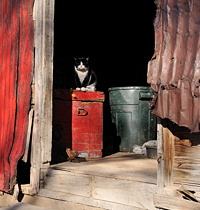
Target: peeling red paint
<point>79,116</point>
<point>16,53</point>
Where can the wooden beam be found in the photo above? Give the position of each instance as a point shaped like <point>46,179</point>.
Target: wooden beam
<point>160,152</point>
<point>165,141</point>
<point>86,187</point>
<point>43,85</point>
<point>48,81</point>
<point>33,187</point>
<point>168,157</point>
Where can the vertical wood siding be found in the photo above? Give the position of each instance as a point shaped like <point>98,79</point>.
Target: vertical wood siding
<point>16,53</point>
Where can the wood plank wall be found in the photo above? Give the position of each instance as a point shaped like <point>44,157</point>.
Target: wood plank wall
<point>181,155</point>
<point>178,166</point>
<point>187,161</point>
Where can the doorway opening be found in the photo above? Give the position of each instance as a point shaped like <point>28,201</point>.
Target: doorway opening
<point>119,42</point>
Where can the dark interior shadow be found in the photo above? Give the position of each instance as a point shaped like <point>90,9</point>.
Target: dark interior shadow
<point>182,132</point>
<point>111,142</point>
<point>62,125</point>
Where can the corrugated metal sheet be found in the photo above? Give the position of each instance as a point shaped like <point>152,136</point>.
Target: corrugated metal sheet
<point>174,71</point>
<point>16,53</point>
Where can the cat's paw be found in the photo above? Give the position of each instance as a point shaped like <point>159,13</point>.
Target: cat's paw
<point>83,89</point>
<point>78,88</point>
<point>90,89</point>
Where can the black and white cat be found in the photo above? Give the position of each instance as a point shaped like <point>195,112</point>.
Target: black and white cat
<point>85,77</point>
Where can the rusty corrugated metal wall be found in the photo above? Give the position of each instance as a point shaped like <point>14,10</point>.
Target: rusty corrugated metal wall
<point>16,53</point>
<point>174,71</point>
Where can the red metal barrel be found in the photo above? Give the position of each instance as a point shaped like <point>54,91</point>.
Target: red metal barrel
<point>80,116</point>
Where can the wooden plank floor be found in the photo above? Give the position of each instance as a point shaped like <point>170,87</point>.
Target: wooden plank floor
<point>122,180</point>
<point>121,165</point>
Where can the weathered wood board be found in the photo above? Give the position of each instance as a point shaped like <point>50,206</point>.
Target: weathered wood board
<point>42,86</point>
<point>120,180</point>
<point>126,192</point>
<point>169,202</point>
<point>187,162</point>
<point>80,200</point>
<point>64,181</point>
<point>179,165</point>
<point>123,192</point>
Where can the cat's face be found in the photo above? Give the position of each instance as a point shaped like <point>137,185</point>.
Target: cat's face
<point>81,64</point>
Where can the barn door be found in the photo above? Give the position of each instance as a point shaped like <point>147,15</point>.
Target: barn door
<point>16,53</point>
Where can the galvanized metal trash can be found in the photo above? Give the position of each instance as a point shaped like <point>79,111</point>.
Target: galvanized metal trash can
<point>79,115</point>
<point>133,121</point>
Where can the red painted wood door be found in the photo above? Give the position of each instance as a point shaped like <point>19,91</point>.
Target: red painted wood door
<point>16,56</point>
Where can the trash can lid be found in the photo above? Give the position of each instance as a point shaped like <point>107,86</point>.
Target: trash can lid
<point>129,88</point>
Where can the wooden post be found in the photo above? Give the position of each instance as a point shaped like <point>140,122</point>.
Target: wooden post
<point>160,152</point>
<point>44,39</point>
<point>168,157</point>
<point>165,140</point>
<point>43,79</point>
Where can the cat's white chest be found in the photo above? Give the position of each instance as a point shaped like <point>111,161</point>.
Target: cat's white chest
<point>81,75</point>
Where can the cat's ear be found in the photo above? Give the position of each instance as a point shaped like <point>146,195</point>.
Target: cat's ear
<point>75,59</point>
<point>87,59</point>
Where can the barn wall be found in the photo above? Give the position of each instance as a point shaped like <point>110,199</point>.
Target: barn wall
<point>187,158</point>
<point>180,152</point>
<point>16,54</point>
<point>178,166</point>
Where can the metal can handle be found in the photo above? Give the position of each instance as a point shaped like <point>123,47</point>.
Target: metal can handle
<point>145,95</point>
<point>82,112</point>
